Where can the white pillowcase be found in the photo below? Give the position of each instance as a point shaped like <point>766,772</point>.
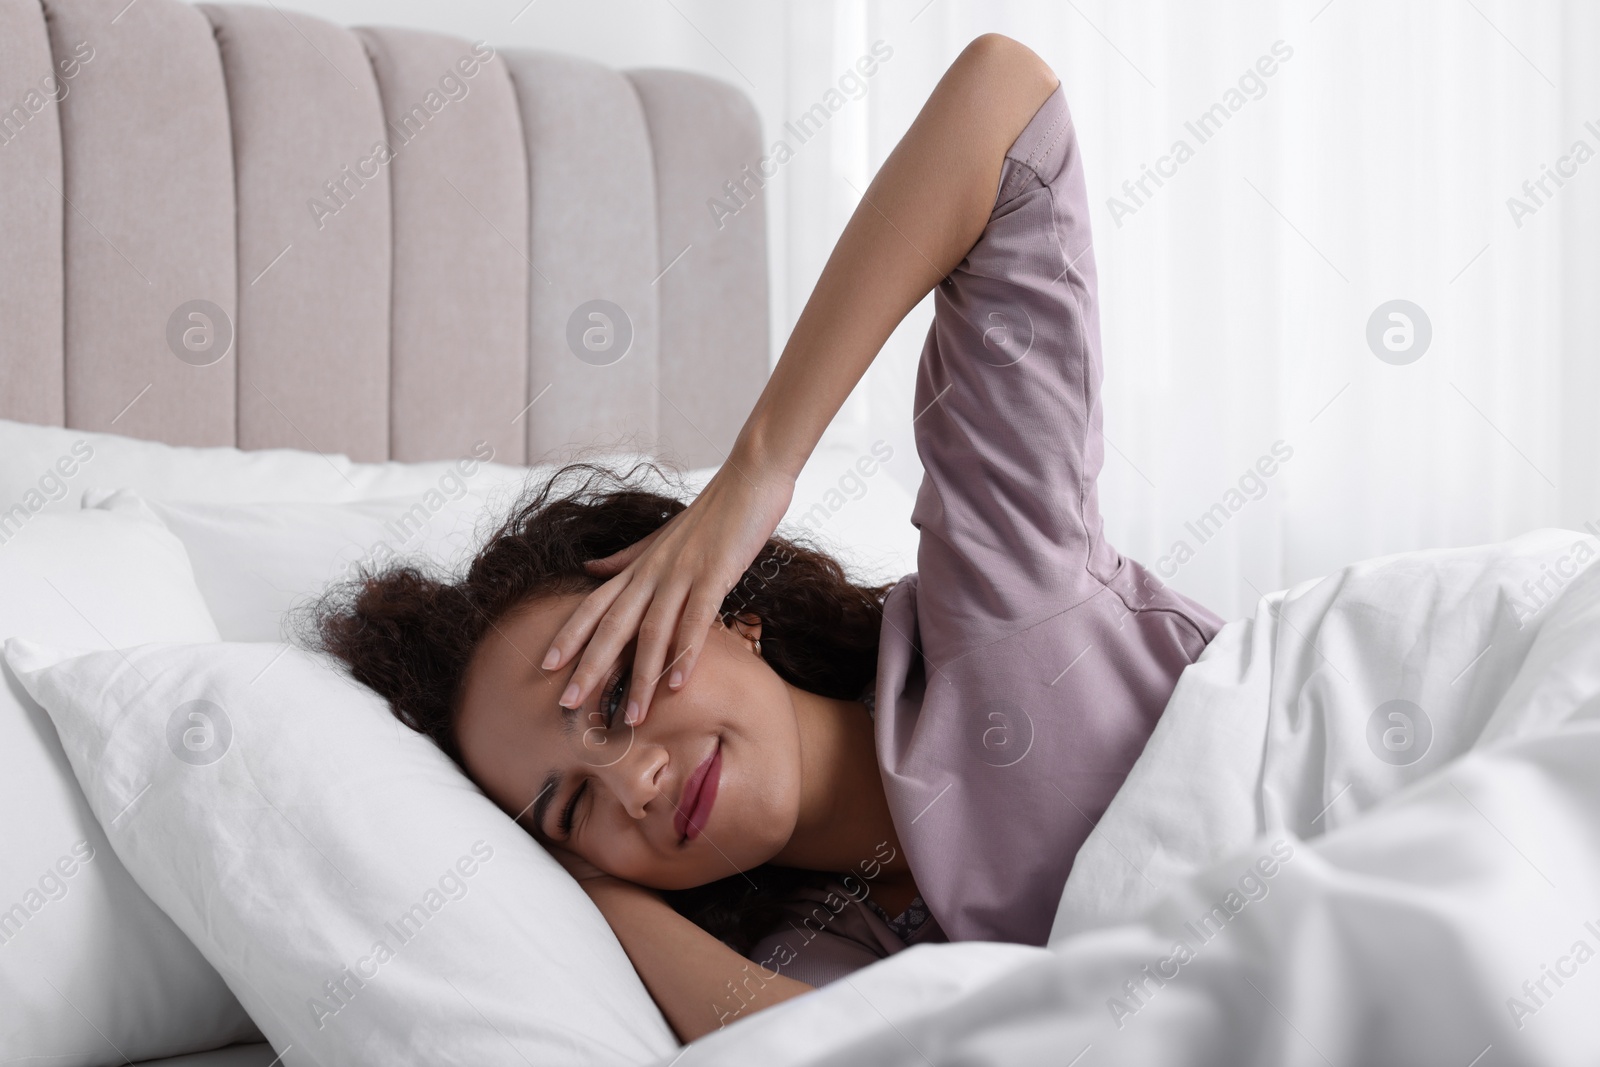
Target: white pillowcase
<point>47,468</point>
<point>363,899</point>
<point>90,969</point>
<point>843,496</point>
<point>254,562</point>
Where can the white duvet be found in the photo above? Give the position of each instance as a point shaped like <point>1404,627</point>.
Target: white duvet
<point>1365,831</point>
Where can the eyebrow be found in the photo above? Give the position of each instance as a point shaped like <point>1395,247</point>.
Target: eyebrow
<point>541,803</point>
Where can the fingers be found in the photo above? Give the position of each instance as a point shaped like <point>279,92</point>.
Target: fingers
<point>697,619</point>
<point>655,633</point>
<point>575,633</point>
<point>648,669</point>
<point>607,566</point>
<point>647,659</point>
<point>581,625</point>
<point>611,634</point>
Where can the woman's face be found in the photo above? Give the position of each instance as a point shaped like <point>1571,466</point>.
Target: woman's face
<point>623,785</point>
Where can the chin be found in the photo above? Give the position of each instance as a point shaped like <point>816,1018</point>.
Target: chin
<point>735,851</point>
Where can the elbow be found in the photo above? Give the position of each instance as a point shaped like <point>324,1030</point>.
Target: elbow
<point>997,59</point>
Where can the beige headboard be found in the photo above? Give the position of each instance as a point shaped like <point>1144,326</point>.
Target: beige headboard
<point>405,234</point>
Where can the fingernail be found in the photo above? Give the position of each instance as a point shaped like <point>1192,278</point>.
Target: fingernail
<point>632,714</point>
<point>551,658</point>
<point>570,695</point>
<point>676,680</point>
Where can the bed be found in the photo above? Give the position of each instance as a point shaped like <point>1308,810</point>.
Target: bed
<point>280,298</point>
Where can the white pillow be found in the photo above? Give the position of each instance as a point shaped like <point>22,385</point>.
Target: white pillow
<point>90,969</point>
<point>292,828</point>
<point>843,496</point>
<point>45,468</point>
<point>254,562</point>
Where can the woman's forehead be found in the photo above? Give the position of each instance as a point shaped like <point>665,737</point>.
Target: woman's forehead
<point>506,662</point>
<point>519,638</point>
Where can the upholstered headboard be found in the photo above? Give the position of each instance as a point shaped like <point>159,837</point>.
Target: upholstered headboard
<point>404,238</point>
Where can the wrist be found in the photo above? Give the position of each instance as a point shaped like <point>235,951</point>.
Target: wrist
<point>761,458</point>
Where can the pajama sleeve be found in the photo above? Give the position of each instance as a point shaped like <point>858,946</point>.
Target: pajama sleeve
<point>1007,411</point>
<point>1023,666</point>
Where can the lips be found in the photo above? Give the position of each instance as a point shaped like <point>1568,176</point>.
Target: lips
<point>699,794</point>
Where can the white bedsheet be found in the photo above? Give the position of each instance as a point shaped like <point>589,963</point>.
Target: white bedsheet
<point>257,1054</point>
<point>1346,887</point>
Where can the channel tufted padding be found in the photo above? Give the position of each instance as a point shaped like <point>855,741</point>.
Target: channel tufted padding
<point>459,308</point>
<point>148,175</point>
<point>313,233</point>
<point>32,370</point>
<point>593,238</point>
<point>241,225</point>
<point>714,339</point>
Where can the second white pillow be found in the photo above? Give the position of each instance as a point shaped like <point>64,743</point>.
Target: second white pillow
<point>255,562</point>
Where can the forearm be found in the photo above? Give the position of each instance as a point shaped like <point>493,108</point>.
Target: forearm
<point>699,983</point>
<point>922,213</point>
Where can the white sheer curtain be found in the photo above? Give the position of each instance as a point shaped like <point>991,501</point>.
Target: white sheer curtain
<point>1374,164</point>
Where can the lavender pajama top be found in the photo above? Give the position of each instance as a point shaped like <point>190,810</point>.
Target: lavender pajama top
<point>1023,666</point>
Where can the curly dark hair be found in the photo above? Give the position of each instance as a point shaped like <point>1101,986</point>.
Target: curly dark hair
<point>408,630</point>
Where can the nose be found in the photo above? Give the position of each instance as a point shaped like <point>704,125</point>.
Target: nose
<point>635,779</point>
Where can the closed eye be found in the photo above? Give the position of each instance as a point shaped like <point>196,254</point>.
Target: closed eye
<point>572,806</point>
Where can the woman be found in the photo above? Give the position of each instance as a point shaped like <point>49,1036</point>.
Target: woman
<point>893,765</point>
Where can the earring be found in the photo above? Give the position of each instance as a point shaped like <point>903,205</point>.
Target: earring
<point>758,646</point>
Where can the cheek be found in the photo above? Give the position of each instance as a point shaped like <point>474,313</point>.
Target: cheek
<point>618,848</point>
<point>747,698</point>
<point>758,804</point>
<point>613,843</point>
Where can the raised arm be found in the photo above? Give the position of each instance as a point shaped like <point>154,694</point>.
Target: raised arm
<point>921,214</point>
<point>923,211</point>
